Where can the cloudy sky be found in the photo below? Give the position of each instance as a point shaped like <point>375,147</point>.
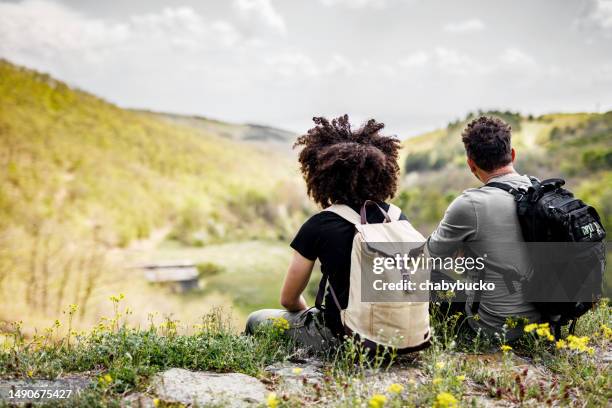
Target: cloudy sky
<point>413,64</point>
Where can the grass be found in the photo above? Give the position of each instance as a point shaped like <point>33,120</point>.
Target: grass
<point>82,178</point>
<point>249,273</point>
<point>121,359</point>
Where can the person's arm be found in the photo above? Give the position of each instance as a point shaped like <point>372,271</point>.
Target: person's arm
<point>295,282</point>
<point>458,225</point>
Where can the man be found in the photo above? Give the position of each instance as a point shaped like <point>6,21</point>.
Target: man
<point>483,221</point>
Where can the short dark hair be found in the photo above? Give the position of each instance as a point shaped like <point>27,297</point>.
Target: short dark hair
<point>344,166</point>
<point>487,141</point>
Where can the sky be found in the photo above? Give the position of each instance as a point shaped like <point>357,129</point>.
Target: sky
<point>414,65</point>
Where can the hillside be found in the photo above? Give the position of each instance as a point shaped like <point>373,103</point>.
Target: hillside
<point>84,178</point>
<point>576,147</point>
<point>260,135</point>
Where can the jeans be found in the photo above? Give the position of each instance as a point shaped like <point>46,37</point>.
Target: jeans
<point>306,328</point>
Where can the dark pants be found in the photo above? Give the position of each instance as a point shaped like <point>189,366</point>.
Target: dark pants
<point>306,328</point>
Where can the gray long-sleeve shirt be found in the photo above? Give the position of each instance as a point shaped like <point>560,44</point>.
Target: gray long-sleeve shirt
<point>487,217</point>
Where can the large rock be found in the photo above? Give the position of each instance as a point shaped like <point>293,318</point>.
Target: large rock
<point>206,388</point>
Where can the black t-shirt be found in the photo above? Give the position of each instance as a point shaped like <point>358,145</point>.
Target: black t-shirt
<point>328,237</point>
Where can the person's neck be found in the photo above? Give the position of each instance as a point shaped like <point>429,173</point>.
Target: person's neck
<point>502,171</point>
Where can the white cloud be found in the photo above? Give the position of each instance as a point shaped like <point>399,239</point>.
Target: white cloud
<point>601,13</point>
<point>53,32</point>
<point>457,63</point>
<point>264,11</point>
<point>454,62</point>
<point>466,26</point>
<point>296,64</point>
<point>516,57</point>
<point>597,14</point>
<point>49,28</point>
<point>339,64</point>
<point>293,65</point>
<point>418,59</point>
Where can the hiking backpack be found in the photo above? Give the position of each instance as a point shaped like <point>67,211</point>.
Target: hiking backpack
<point>402,324</point>
<point>549,213</point>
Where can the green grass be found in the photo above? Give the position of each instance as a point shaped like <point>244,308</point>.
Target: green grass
<point>121,359</point>
<point>250,273</point>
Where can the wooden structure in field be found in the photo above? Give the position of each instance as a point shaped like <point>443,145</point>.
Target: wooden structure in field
<point>179,276</point>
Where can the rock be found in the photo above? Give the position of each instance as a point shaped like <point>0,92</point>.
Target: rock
<point>138,400</point>
<point>291,370</point>
<point>44,391</point>
<point>206,388</point>
<point>294,376</point>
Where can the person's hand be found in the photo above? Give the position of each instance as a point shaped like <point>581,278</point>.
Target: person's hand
<point>295,282</point>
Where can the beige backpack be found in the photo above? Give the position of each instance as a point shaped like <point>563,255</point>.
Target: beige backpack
<point>403,323</point>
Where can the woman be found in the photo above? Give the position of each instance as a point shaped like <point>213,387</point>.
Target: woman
<point>340,166</point>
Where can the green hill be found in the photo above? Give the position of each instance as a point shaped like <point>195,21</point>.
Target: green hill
<point>267,136</point>
<point>82,177</point>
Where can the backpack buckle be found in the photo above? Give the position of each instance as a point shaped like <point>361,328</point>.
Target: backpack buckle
<point>519,194</point>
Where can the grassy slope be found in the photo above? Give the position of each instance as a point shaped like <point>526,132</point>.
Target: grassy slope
<point>82,177</point>
<point>68,149</point>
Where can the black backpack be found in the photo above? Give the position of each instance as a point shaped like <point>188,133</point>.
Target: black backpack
<point>548,213</point>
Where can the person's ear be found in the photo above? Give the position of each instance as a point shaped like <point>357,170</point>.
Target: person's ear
<point>513,152</point>
<point>472,165</point>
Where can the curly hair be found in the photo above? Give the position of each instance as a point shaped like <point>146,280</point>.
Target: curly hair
<point>344,166</point>
<point>487,142</point>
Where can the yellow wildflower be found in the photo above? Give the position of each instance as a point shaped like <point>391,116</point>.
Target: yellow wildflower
<point>272,401</point>
<point>460,378</point>
<point>30,373</point>
<point>440,364</point>
<point>561,344</point>
<point>377,401</point>
<point>156,402</point>
<point>280,323</point>
<point>505,348</point>
<point>436,381</point>
<point>395,388</point>
<point>543,330</point>
<point>445,400</point>
<point>579,344</point>
<point>530,327</point>
<point>511,323</point>
<point>606,332</point>
<point>297,370</point>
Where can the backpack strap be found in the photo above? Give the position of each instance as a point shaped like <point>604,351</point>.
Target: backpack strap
<point>345,212</point>
<point>354,218</point>
<point>394,212</point>
<point>518,194</point>
<point>321,294</point>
